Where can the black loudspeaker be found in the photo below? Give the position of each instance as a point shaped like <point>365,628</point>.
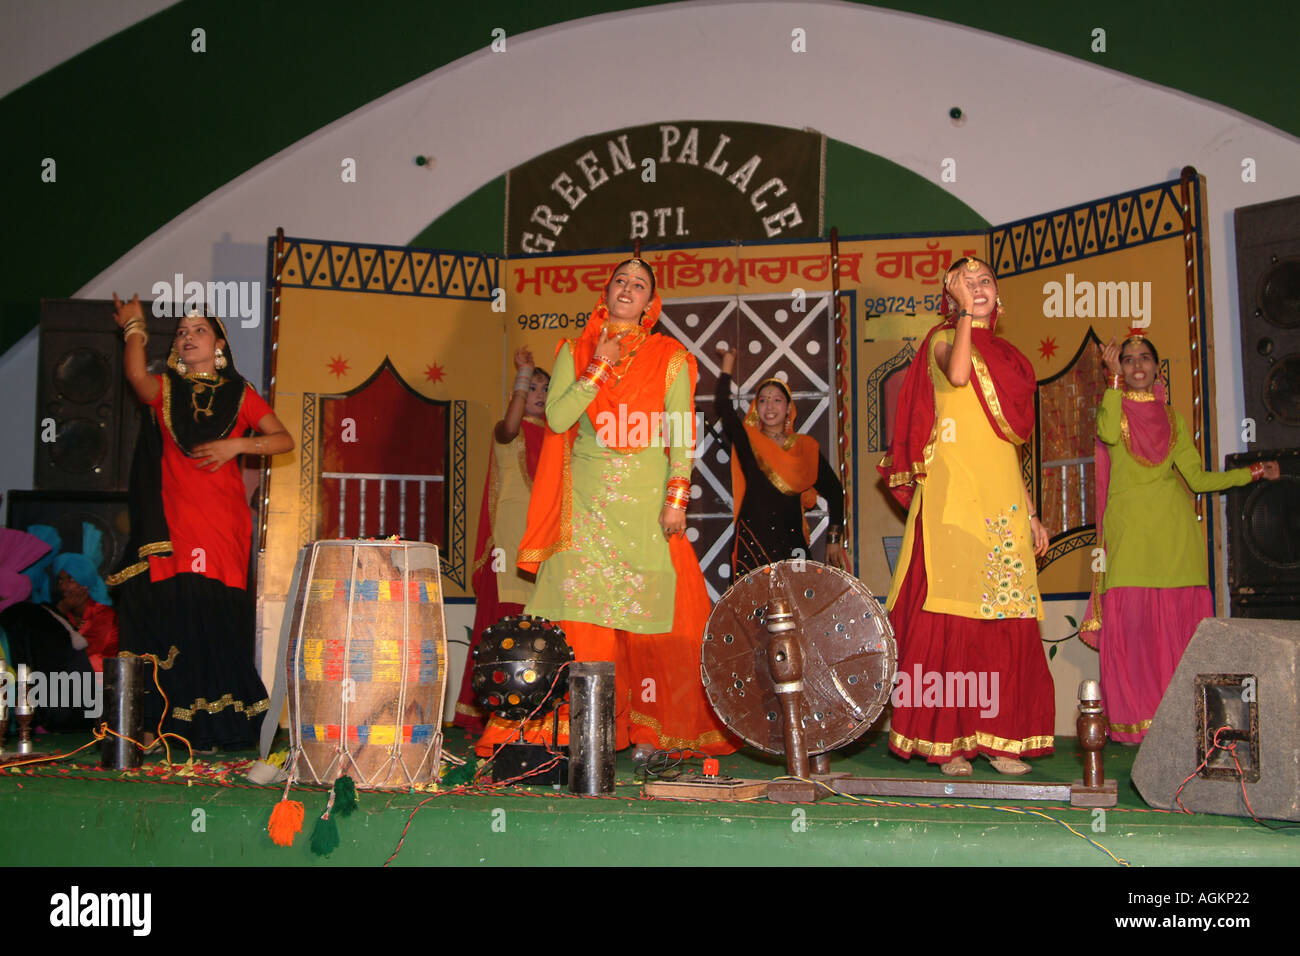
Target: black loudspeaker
<point>65,512</point>
<point>1264,539</point>
<point>1237,681</point>
<point>87,416</point>
<point>1268,290</point>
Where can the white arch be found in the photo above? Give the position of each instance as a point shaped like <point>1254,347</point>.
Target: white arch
<point>1043,130</point>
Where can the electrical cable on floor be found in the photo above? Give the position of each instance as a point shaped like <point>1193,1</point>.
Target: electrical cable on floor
<point>99,733</point>
<point>1231,749</point>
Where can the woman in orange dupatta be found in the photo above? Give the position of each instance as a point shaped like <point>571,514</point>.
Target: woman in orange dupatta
<point>607,522</point>
<point>776,475</point>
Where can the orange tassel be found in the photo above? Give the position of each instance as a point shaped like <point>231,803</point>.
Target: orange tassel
<point>286,821</point>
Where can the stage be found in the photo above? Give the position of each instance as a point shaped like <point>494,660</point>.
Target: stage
<point>73,814</point>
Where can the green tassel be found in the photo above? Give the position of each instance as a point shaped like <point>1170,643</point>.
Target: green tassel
<point>345,795</point>
<point>458,775</point>
<point>325,836</point>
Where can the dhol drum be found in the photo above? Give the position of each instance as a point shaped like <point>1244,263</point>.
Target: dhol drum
<point>847,648</point>
<point>367,664</point>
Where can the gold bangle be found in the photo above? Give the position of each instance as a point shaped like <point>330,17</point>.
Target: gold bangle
<point>134,330</point>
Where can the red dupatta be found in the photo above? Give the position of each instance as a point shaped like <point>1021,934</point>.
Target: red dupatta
<point>1004,381</point>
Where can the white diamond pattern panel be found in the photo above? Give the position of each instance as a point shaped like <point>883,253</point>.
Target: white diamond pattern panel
<point>774,341</point>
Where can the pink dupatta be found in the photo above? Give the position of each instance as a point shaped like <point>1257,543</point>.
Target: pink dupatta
<point>1147,431</point>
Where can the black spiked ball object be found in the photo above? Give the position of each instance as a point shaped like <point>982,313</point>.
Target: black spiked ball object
<point>515,663</point>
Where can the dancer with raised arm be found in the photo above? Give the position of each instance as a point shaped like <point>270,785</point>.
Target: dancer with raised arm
<point>1154,590</point>
<point>185,591</point>
<point>776,475</point>
<point>964,601</point>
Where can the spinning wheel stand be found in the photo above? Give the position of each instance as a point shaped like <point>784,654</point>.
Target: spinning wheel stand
<point>798,660</point>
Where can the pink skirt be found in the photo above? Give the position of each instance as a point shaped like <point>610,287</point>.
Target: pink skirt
<point>1144,632</point>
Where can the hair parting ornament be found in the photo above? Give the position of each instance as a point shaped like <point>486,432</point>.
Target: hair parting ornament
<point>1137,335</point>
<point>785,389</point>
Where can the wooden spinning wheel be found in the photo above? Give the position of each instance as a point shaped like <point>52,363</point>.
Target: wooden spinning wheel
<point>798,646</point>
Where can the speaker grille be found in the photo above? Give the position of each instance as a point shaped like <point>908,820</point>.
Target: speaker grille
<point>1279,294</point>
<point>82,375</point>
<point>1282,390</point>
<point>80,447</point>
<point>1273,523</point>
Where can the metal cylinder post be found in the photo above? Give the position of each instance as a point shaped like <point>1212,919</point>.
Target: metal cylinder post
<point>591,728</point>
<point>125,683</point>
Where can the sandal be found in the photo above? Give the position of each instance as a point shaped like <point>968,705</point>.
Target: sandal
<point>1009,765</point>
<point>956,767</point>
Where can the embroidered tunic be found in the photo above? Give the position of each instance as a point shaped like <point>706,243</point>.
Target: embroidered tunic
<point>1152,536</point>
<point>618,572</point>
<point>978,546</point>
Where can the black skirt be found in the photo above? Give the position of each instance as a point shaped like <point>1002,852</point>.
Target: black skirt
<point>203,633</point>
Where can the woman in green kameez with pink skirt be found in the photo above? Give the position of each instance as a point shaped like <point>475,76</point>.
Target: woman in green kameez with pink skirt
<point>1154,590</point>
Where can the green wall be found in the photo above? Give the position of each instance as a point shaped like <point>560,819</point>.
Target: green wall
<point>142,128</point>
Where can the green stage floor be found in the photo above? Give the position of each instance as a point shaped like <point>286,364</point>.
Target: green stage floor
<point>74,814</point>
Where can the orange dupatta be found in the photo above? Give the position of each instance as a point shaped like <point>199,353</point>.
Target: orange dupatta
<point>791,466</point>
<point>639,383</point>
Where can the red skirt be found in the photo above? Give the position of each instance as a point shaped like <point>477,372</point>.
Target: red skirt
<point>966,686</point>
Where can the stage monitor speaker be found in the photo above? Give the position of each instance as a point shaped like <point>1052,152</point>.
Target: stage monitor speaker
<point>1268,290</point>
<point>82,389</point>
<point>65,512</point>
<point>1264,539</point>
<point>1239,675</point>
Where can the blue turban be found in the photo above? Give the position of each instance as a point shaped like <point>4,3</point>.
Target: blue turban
<point>40,571</point>
<point>84,568</point>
